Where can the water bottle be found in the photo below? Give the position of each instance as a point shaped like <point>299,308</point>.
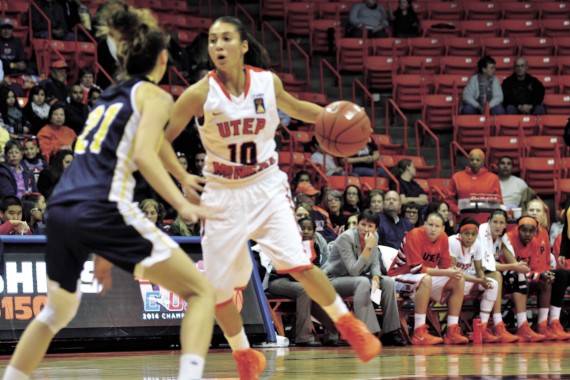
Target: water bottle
<point>477,331</point>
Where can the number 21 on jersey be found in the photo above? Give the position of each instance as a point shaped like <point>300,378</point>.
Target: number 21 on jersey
<point>102,118</point>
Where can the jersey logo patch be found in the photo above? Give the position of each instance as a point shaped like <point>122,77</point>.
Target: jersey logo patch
<point>259,105</point>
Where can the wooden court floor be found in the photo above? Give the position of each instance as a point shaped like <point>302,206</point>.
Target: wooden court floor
<point>517,361</point>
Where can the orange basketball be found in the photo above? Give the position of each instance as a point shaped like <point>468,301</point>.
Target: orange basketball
<point>343,129</point>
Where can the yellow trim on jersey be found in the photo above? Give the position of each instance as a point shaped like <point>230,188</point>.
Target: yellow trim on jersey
<point>160,141</point>
<point>160,234</point>
<point>127,174</point>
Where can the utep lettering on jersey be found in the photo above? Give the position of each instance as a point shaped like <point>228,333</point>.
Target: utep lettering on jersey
<point>428,257</point>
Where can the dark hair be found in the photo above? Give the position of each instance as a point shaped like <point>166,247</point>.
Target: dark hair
<point>139,39</point>
<point>483,62</point>
<point>369,215</point>
<point>54,108</point>
<point>34,91</point>
<point>374,192</point>
<point>3,106</point>
<point>468,220</point>
<point>9,200</point>
<point>13,144</point>
<point>28,203</point>
<point>309,220</point>
<point>297,177</point>
<point>434,206</point>
<point>56,166</point>
<point>509,157</point>
<point>256,55</point>
<point>348,217</point>
<point>359,194</point>
<point>86,70</point>
<point>92,90</point>
<point>401,167</point>
<point>499,211</point>
<point>413,205</point>
<point>437,215</point>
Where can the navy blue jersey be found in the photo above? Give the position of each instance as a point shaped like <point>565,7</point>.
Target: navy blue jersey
<point>103,167</point>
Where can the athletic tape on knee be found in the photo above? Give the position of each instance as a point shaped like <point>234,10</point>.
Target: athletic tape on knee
<point>490,296</point>
<point>61,307</point>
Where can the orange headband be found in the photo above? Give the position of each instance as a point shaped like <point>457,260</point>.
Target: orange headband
<point>479,151</point>
<point>469,226</point>
<point>528,220</point>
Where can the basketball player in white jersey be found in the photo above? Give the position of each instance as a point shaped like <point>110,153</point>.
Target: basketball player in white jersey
<point>245,189</point>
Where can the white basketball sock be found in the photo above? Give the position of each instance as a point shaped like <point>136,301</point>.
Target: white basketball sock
<point>337,309</point>
<point>191,367</point>
<point>419,320</point>
<point>521,318</point>
<point>497,318</point>
<point>238,341</point>
<point>14,374</point>
<point>554,313</point>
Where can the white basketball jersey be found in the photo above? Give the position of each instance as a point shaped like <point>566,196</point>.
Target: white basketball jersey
<point>238,131</point>
<point>464,257</point>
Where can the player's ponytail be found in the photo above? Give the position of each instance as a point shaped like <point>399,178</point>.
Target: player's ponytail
<point>256,55</point>
<point>138,37</point>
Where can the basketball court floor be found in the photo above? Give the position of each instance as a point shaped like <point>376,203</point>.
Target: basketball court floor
<point>516,361</point>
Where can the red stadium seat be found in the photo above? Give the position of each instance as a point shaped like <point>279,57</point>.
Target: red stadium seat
<point>439,10</point>
<point>438,28</point>
<point>553,125</point>
<point>272,8</point>
<point>470,130</point>
<point>464,46</point>
<point>500,46</point>
<point>458,65</point>
<point>450,84</point>
<point>550,10</point>
<point>297,18</point>
<point>519,10</point>
<point>498,146</point>
<point>427,46</point>
<point>409,89</point>
<point>556,28</point>
<point>379,71</point>
<point>544,146</point>
<point>391,47</point>
<point>557,104</point>
<point>540,173</point>
<point>520,28</point>
<point>477,10</point>
<point>550,82</point>
<point>387,146</point>
<point>562,46</point>
<point>438,111</point>
<point>514,125</point>
<point>504,65</point>
<point>350,54</point>
<point>563,65</point>
<point>542,65</point>
<point>419,65</point>
<point>543,46</point>
<point>319,31</point>
<point>423,170</point>
<point>438,188</point>
<point>481,28</point>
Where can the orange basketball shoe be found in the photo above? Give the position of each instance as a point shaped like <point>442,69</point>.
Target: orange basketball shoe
<point>363,342</point>
<point>488,337</point>
<point>453,335</point>
<point>503,335</point>
<point>545,330</point>
<point>526,334</point>
<point>422,337</point>
<point>557,328</point>
<point>250,363</point>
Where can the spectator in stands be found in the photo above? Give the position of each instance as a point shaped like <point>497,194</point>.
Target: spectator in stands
<point>94,94</point>
<point>183,160</point>
<point>442,208</point>
<point>424,261</point>
<point>56,15</point>
<point>49,177</point>
<point>11,217</point>
<point>325,160</point>
<point>34,205</point>
<point>482,89</point>
<point>355,269</point>
<point>56,90</point>
<point>410,190</point>
<point>15,178</point>
<point>75,111</point>
<point>306,193</point>
<point>333,205</point>
<point>523,93</point>
<point>199,162</point>
<point>376,200</point>
<point>465,251</point>
<point>302,176</point>
<point>55,135</point>
<point>32,157</point>
<point>303,210</point>
<point>352,200</point>
<point>154,211</point>
<point>180,228</point>
<point>86,82</point>
<point>405,22</point>
<point>36,110</point>
<point>363,162</point>
<point>512,187</point>
<point>178,55</point>
<point>392,227</point>
<point>11,112</point>
<point>11,49</point>
<point>370,15</point>
<point>475,179</point>
<point>494,246</point>
<point>286,286</point>
<point>411,211</point>
<point>527,249</point>
<point>71,13</point>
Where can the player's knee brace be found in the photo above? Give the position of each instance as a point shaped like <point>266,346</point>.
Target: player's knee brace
<point>61,307</point>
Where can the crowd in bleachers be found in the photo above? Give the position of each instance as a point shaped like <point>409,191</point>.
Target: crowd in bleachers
<point>52,74</point>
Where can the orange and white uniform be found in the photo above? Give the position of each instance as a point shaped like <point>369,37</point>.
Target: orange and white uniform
<point>417,253</point>
<point>246,191</point>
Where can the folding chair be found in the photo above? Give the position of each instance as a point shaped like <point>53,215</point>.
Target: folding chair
<point>391,47</point>
<point>409,89</point>
<point>556,28</point>
<point>432,28</point>
<point>498,146</point>
<point>438,111</point>
<point>350,54</point>
<point>419,65</point>
<point>458,65</point>
<point>542,65</point>
<point>439,10</point>
<point>544,146</point>
<point>470,130</point>
<point>550,82</point>
<point>553,125</point>
<point>379,71</point>
<point>541,46</point>
<point>551,10</point>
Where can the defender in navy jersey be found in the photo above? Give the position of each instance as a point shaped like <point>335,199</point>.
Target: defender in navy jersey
<point>246,191</point>
<point>92,208</point>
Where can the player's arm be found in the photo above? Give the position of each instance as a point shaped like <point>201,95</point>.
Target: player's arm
<point>155,106</point>
<point>188,105</point>
<point>297,109</point>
